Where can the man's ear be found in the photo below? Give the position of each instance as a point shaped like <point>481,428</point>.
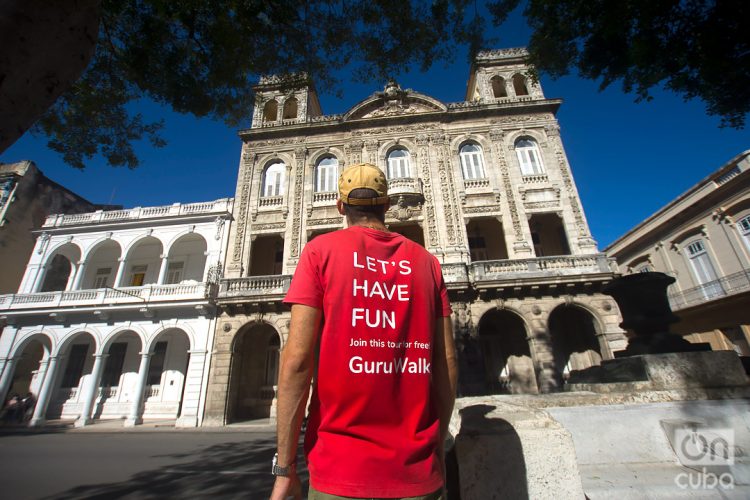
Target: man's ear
<point>340,206</point>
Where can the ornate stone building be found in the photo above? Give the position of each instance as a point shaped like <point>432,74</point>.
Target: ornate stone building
<point>483,184</point>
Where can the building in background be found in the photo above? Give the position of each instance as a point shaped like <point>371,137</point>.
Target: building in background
<point>483,184</point>
<point>114,318</point>
<point>27,197</point>
<point>702,239</point>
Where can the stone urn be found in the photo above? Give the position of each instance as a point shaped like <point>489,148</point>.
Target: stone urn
<point>646,315</point>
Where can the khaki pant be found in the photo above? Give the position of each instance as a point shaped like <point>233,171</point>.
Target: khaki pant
<point>316,495</point>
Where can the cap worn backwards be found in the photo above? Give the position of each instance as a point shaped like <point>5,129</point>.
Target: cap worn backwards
<point>363,176</point>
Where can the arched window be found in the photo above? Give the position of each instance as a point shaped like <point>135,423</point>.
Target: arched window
<point>744,226</point>
<point>398,164</point>
<point>472,164</point>
<point>529,158</point>
<point>519,85</point>
<point>326,173</point>
<point>290,109</point>
<point>498,87</point>
<point>270,111</point>
<point>273,179</point>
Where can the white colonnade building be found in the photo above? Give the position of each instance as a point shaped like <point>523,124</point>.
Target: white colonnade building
<point>114,318</point>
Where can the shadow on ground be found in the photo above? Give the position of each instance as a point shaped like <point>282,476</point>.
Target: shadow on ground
<point>229,470</point>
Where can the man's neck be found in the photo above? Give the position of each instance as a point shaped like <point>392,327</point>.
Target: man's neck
<point>371,224</point>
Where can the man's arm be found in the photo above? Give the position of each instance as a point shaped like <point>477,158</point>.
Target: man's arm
<point>444,373</point>
<point>297,362</point>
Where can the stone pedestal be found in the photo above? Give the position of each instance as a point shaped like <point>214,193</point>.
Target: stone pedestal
<point>655,372</point>
<point>509,451</point>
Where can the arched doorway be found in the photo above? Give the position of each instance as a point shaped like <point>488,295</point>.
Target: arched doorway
<point>119,380</point>
<point>574,343</point>
<point>165,381</point>
<point>27,372</point>
<point>509,368</point>
<point>76,361</point>
<point>254,373</point>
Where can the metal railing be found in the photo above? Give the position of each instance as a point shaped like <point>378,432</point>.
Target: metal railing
<point>722,287</point>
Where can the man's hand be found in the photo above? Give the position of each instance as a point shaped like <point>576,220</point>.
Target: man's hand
<point>287,487</point>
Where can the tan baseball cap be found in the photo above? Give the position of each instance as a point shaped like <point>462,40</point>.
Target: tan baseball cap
<point>363,176</point>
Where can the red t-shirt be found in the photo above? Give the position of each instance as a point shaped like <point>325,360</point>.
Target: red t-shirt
<point>373,429</point>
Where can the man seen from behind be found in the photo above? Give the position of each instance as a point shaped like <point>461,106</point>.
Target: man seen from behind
<point>371,320</point>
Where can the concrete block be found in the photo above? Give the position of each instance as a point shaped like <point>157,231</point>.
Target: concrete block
<point>508,451</point>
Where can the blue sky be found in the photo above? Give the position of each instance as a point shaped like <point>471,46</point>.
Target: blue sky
<point>628,159</point>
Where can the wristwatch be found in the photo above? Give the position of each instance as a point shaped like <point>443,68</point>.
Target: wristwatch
<point>278,470</point>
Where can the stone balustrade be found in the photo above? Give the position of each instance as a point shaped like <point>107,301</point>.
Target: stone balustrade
<point>254,286</point>
<point>476,183</point>
<point>105,296</point>
<point>405,186</point>
<point>326,198</point>
<point>535,178</point>
<point>560,265</point>
<point>137,213</point>
<point>270,201</point>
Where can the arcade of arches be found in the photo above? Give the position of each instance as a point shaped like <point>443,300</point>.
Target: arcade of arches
<point>119,381</point>
<point>517,351</point>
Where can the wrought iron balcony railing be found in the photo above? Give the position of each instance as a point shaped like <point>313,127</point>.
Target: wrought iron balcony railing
<point>722,287</point>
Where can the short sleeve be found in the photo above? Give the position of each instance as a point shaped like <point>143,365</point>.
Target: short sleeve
<point>443,308</point>
<point>306,285</point>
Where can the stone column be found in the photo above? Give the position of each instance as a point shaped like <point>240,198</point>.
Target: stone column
<point>120,272</point>
<point>48,382</point>
<point>163,269</point>
<point>80,271</point>
<point>136,410</point>
<point>93,389</point>
<point>42,274</point>
<point>9,367</point>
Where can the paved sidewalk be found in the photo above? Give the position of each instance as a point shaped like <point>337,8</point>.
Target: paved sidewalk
<point>104,462</point>
<point>115,426</point>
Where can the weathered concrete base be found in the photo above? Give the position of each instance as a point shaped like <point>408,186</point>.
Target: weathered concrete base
<point>509,451</point>
<point>654,372</point>
<point>608,446</point>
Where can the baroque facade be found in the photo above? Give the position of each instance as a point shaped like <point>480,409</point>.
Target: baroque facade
<point>114,317</point>
<point>483,184</point>
<point>702,239</point>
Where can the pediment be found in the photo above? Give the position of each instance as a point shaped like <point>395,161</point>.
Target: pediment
<point>394,101</point>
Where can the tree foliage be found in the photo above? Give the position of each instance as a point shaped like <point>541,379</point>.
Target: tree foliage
<point>695,48</point>
<point>204,56</point>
